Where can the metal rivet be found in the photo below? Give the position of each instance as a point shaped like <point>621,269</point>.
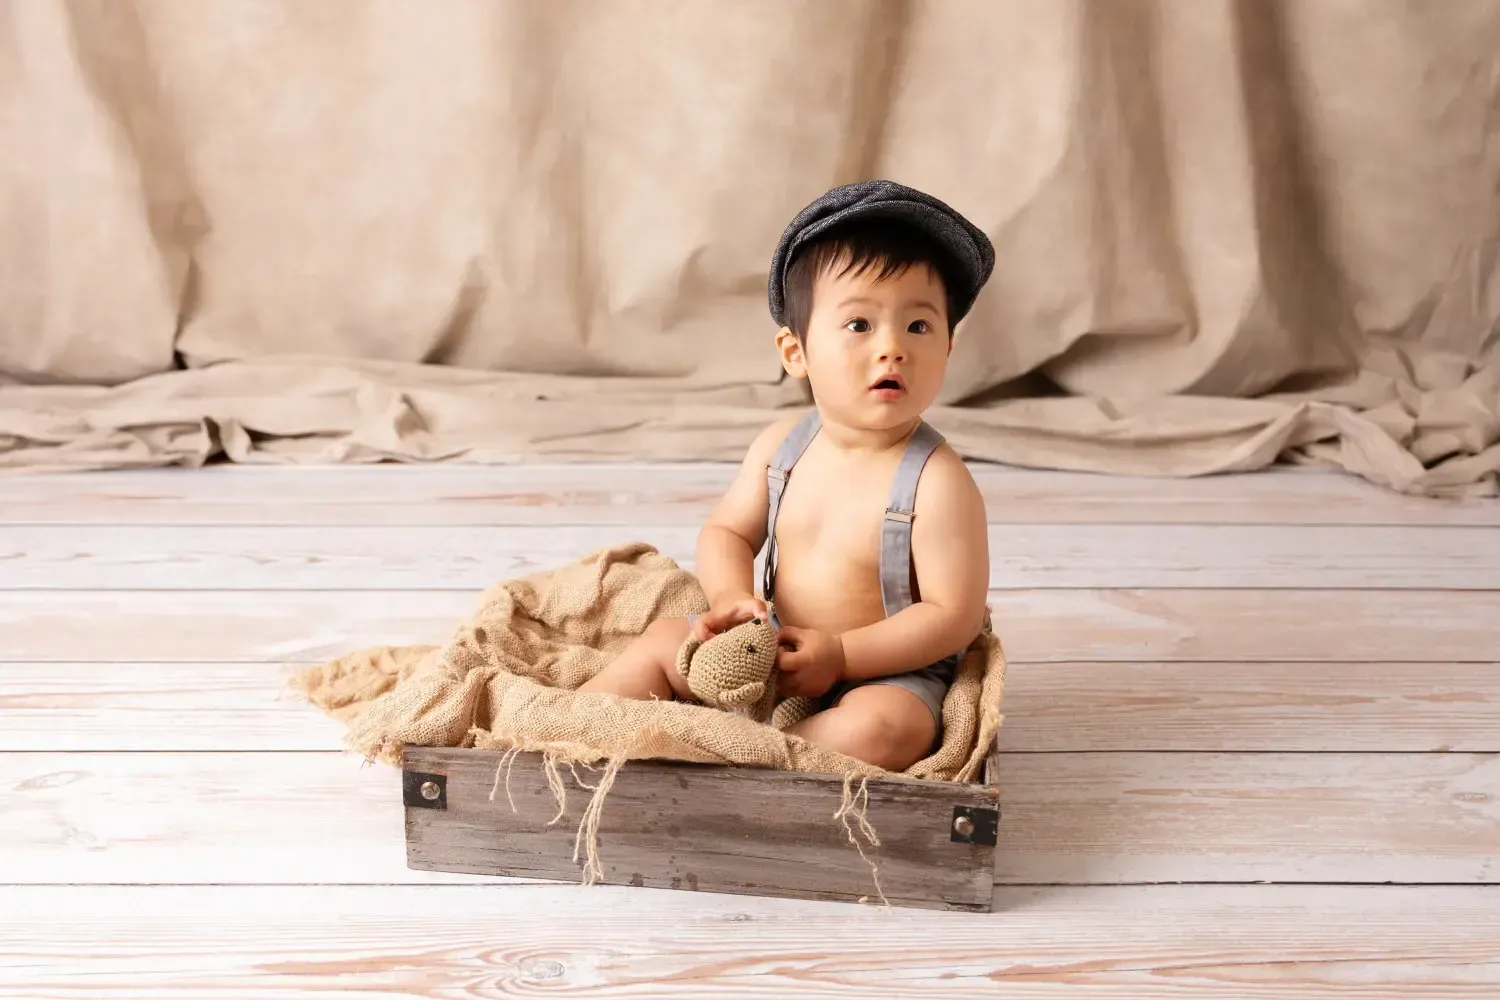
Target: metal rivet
<point>964,826</point>
<point>430,790</point>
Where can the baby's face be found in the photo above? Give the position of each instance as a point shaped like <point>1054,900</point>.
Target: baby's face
<point>877,351</point>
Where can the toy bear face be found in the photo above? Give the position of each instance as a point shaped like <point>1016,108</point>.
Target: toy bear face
<point>732,670</point>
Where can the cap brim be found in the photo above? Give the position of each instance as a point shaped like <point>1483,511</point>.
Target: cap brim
<point>969,252</point>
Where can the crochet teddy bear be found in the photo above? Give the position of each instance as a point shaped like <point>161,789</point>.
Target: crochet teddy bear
<point>736,671</point>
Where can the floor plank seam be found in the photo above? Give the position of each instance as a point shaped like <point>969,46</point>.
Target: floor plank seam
<point>553,525</point>
<point>507,882</point>
<point>1003,753</point>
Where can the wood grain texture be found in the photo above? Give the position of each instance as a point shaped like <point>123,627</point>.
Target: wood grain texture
<point>1147,817</point>
<point>1369,707</point>
<point>124,626</point>
<point>642,494</point>
<point>290,818</point>
<point>710,829</point>
<point>332,557</point>
<point>1052,626</point>
<point>159,706</point>
<point>390,942</point>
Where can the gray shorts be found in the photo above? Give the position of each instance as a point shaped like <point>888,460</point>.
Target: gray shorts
<point>931,684</point>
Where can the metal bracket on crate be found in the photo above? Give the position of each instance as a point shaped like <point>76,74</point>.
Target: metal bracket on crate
<point>975,825</point>
<point>424,791</point>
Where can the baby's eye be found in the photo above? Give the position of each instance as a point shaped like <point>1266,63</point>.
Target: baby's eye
<point>919,326</point>
<point>857,326</point>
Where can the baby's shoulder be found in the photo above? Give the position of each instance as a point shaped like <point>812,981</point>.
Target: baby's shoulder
<point>947,484</point>
<point>763,447</point>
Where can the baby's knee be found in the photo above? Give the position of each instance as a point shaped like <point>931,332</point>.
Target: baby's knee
<point>663,638</point>
<point>888,727</point>
<point>667,632</point>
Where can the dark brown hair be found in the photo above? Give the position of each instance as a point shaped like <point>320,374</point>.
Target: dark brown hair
<point>886,246</point>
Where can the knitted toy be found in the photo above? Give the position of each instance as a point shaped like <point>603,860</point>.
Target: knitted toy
<point>736,671</point>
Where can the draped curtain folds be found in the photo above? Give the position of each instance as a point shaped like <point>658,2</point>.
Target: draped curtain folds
<point>1228,232</point>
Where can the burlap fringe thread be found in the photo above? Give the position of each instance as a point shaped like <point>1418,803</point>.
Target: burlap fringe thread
<point>854,804</point>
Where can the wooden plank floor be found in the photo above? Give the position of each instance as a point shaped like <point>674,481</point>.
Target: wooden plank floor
<point>1251,747</point>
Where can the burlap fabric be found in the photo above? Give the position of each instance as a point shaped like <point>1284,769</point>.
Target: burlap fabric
<point>507,677</point>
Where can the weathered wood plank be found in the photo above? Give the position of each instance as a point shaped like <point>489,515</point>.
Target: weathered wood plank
<point>1052,626</point>
<point>635,494</point>
<point>320,818</point>
<point>1368,707</point>
<point>121,626</point>
<point>1148,817</point>
<point>714,829</point>
<point>158,706</point>
<point>1293,557</point>
<point>396,942</point>
<point>289,818</point>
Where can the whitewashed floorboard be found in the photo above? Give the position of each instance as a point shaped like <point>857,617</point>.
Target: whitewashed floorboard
<point>1292,557</point>
<point>1054,626</point>
<point>1362,707</point>
<point>645,494</point>
<point>389,942</point>
<point>292,818</point>
<point>1266,706</point>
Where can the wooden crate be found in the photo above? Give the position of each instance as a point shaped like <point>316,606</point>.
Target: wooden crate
<point>703,827</point>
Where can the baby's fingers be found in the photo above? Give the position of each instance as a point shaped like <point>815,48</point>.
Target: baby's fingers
<point>789,637</point>
<point>791,682</point>
<point>746,610</point>
<point>718,621</point>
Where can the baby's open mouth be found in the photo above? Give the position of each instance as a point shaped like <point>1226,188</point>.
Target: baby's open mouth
<point>889,383</point>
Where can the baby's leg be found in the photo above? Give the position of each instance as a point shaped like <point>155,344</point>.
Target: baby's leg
<point>647,667</point>
<point>880,724</point>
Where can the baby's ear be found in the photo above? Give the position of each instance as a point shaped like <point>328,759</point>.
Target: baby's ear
<point>791,352</point>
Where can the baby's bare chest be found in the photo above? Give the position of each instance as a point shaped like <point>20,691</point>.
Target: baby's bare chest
<point>834,513</point>
<point>828,540</point>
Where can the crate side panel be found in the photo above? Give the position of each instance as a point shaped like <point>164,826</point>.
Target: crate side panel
<point>717,829</point>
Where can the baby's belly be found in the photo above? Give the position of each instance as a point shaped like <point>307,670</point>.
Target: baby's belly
<point>826,594</point>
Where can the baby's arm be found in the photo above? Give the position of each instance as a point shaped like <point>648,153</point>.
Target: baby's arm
<point>950,552</point>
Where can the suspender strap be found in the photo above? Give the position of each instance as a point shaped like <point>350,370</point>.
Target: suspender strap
<point>895,530</point>
<point>777,473</point>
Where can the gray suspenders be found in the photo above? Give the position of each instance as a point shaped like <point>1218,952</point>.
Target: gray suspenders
<point>792,446</point>
<point>895,531</point>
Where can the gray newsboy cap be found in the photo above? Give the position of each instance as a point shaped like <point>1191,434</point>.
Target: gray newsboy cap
<point>970,251</point>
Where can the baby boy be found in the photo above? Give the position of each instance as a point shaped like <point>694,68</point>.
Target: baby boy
<point>877,560</point>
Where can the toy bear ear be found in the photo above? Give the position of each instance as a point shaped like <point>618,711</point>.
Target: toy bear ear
<point>745,695</point>
<point>685,655</point>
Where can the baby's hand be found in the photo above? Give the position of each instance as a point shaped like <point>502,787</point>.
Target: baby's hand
<point>727,616</point>
<point>810,661</point>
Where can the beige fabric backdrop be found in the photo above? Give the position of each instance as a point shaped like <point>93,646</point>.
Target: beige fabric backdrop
<point>1228,232</point>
